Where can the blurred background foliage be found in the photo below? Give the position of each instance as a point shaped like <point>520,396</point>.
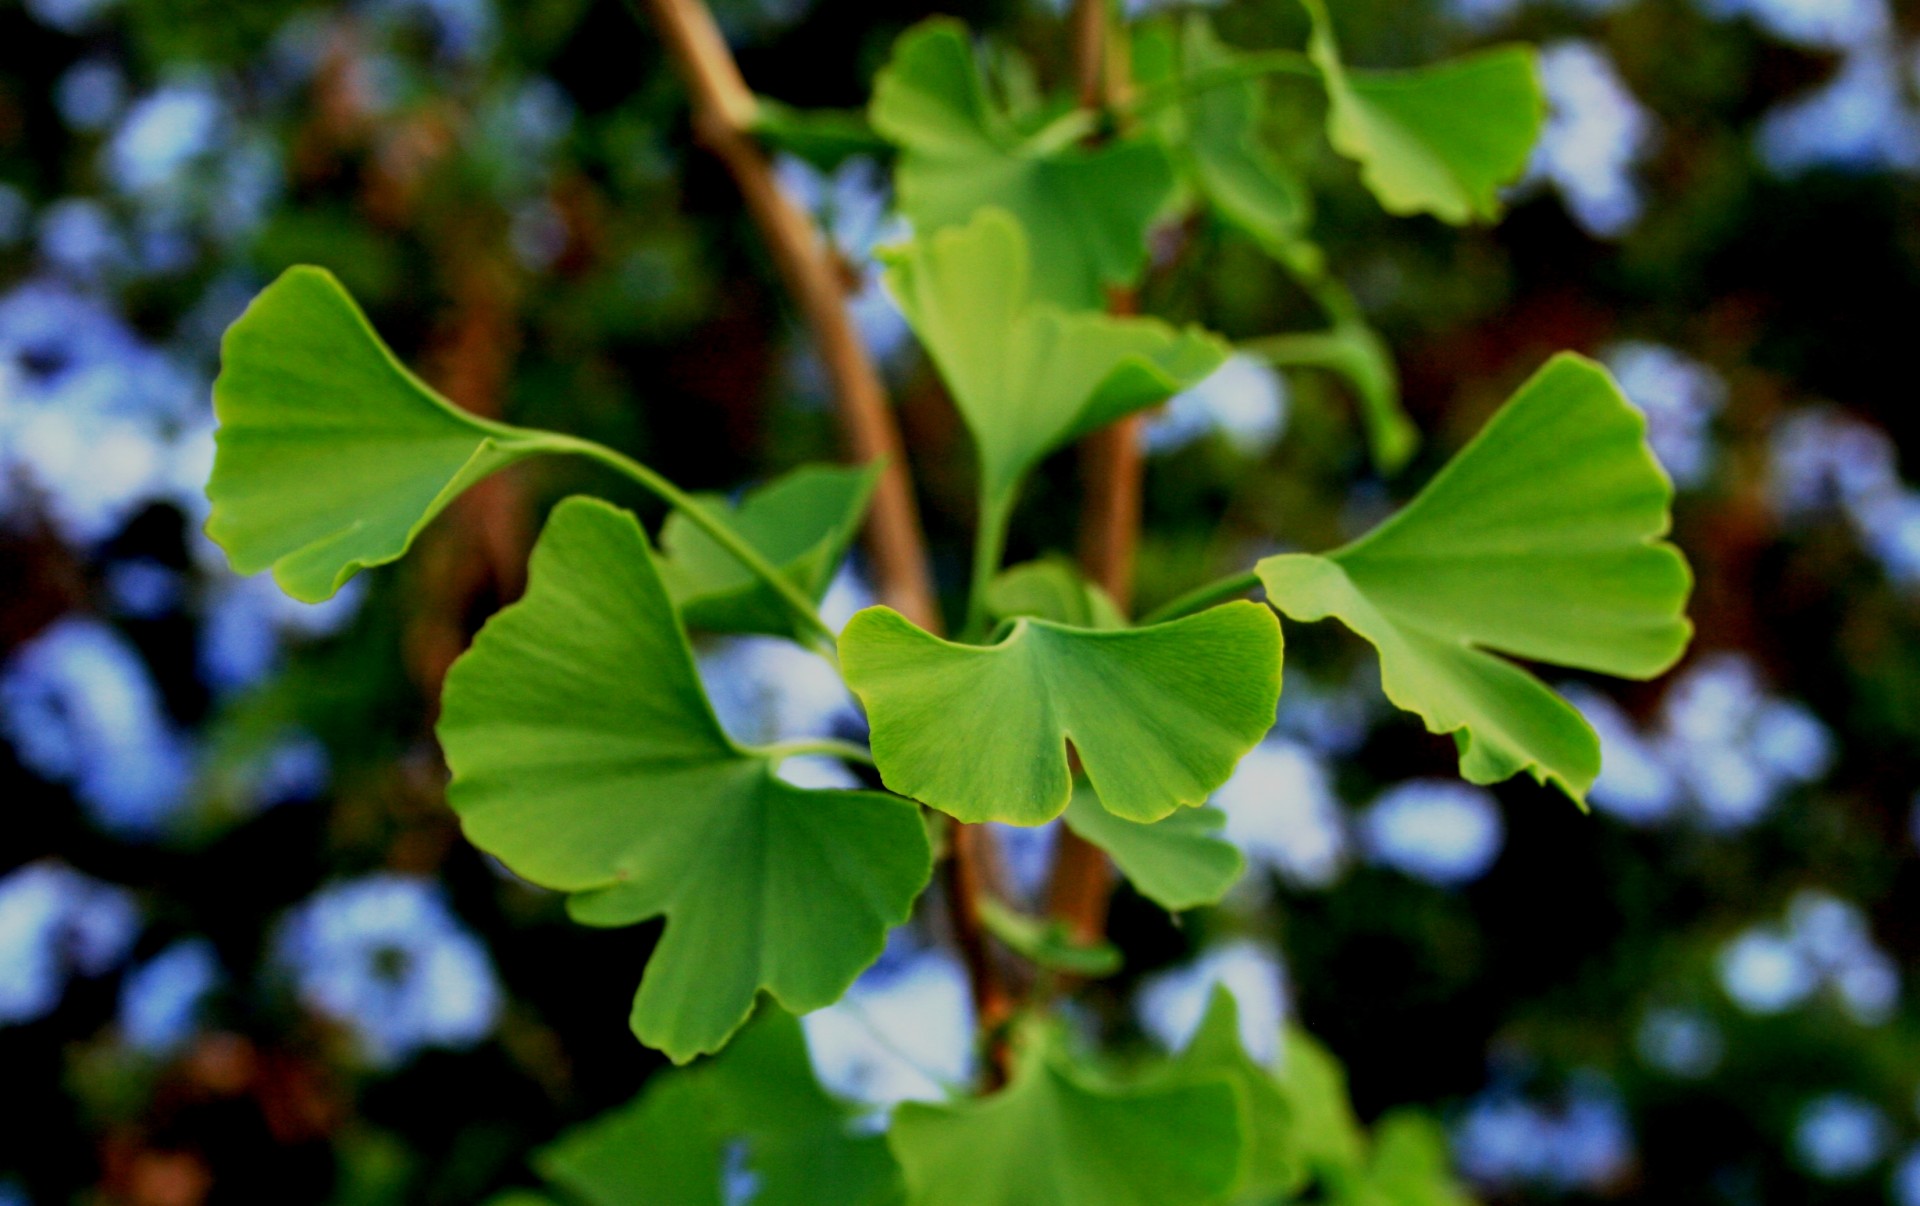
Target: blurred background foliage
<point>244,955</point>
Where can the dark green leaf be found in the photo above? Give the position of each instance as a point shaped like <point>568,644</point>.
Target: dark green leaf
<point>586,757</point>
<point>754,1110</point>
<point>1052,589</point>
<point>1052,1138</point>
<point>331,456</point>
<point>1272,1167</point>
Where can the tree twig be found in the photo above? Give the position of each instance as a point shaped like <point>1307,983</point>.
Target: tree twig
<point>723,115</point>
<point>1081,882</point>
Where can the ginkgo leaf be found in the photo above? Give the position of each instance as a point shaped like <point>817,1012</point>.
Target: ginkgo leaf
<point>1159,716</point>
<point>1052,589</point>
<point>1179,862</point>
<point>1218,139</point>
<point>1086,210</point>
<point>1356,353</point>
<point>1540,540</point>
<point>1410,1165</point>
<point>331,456</point>
<point>1053,1138</point>
<point>802,523</point>
<point>1027,376</point>
<point>586,757</point>
<point>1326,1136</point>
<point>1442,139</point>
<point>755,1110</point>
<point>1272,1167</point>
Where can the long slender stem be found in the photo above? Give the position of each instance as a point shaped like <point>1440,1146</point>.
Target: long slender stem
<point>724,111</point>
<point>989,546</point>
<point>1082,877</point>
<point>820,747</point>
<point>822,636</point>
<point>1203,597</point>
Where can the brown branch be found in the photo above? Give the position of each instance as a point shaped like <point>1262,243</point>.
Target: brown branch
<point>723,119</point>
<point>1081,884</point>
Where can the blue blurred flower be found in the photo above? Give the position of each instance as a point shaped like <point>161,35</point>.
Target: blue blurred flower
<point>385,957</point>
<point>459,29</point>
<point>56,923</point>
<point>1443,831</point>
<point>89,94</point>
<point>15,213</point>
<point>1283,814</point>
<point>161,1000</point>
<point>1839,1136</point>
<point>1596,133</point>
<point>80,708</point>
<point>68,16</point>
<point>143,588</point>
<point>1172,1003</point>
<point>903,1032</point>
<point>1244,401</point>
<point>1680,1042</point>
<point>1906,1179</point>
<point>78,238</point>
<point>1764,972</point>
<point>1821,24</point>
<point>1825,943</point>
<point>854,207</point>
<point>1860,120</point>
<point>1680,396</point>
<point>162,135</point>
<point>766,690</point>
<point>1584,1144</point>
<point>1821,461</point>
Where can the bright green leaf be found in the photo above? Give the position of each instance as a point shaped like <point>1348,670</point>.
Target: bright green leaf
<point>801,523</point>
<point>1272,1167</point>
<point>1180,862</point>
<point>1159,716</point>
<point>1326,1135</point>
<point>1048,942</point>
<point>1027,376</point>
<point>586,757</point>
<point>1355,352</point>
<point>1086,210</point>
<point>331,456</point>
<point>676,1144</point>
<point>1442,139</point>
<point>1052,1138</point>
<point>1243,180</point>
<point>1411,1164</point>
<point>825,138</point>
<point>1540,540</point>
<point>1052,589</point>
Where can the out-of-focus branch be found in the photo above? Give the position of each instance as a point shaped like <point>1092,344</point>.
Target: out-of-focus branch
<point>723,117</point>
<point>1082,879</point>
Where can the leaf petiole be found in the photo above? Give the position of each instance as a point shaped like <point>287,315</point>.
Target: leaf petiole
<point>989,546</point>
<point>823,747</point>
<point>823,640</point>
<point>1202,597</point>
<point>1244,67</point>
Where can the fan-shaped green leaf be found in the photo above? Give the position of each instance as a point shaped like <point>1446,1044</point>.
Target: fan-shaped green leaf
<point>1354,351</point>
<point>754,1109</point>
<point>1540,540</point>
<point>1029,377</point>
<point>1052,1138</point>
<point>1441,139</point>
<point>1052,589</point>
<point>1086,211</point>
<point>1179,862</point>
<point>1273,1167</point>
<point>1158,715</point>
<point>331,456</point>
<point>586,757</point>
<point>802,523</point>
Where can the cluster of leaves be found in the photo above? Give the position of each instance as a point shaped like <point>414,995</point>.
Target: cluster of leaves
<point>587,757</point>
